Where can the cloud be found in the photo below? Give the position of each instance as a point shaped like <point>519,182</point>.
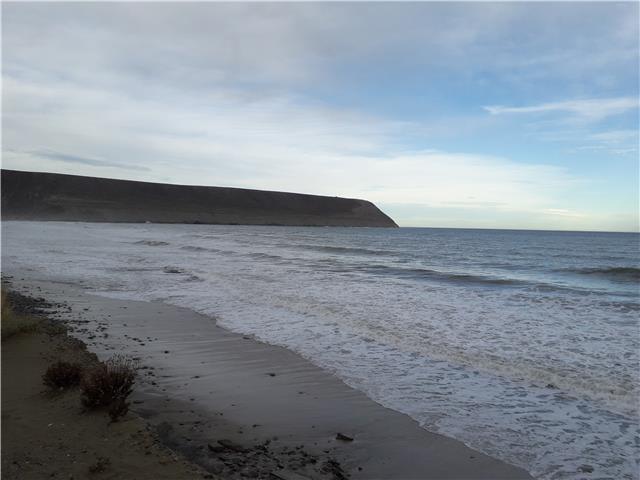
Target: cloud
<point>67,158</point>
<point>590,110</point>
<point>462,180</point>
<point>563,212</point>
<point>277,143</point>
<point>266,95</point>
<point>617,137</point>
<point>195,45</point>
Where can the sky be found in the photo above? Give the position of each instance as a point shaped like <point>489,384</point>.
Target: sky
<point>475,115</point>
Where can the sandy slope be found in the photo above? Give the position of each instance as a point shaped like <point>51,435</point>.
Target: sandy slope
<point>47,435</point>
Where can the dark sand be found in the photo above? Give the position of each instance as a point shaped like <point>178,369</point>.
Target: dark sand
<point>206,383</point>
<point>47,434</point>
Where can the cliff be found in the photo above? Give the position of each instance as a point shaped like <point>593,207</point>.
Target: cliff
<point>52,196</point>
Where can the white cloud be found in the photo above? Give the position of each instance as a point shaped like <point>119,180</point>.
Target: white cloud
<point>590,110</point>
<point>278,143</point>
<point>563,212</point>
<point>219,93</point>
<point>617,137</point>
<point>195,44</point>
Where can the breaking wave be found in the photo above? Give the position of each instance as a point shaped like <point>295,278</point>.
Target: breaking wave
<point>625,274</point>
<point>151,243</point>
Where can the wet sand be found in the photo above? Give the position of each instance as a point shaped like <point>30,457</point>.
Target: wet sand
<point>203,383</point>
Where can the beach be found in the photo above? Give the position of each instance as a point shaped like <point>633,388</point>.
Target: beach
<point>329,240</point>
<point>47,434</point>
<point>201,384</point>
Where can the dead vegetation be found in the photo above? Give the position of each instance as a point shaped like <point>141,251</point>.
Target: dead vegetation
<point>108,385</point>
<point>62,375</point>
<point>12,323</point>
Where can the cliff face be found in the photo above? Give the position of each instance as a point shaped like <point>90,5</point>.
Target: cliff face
<point>51,196</point>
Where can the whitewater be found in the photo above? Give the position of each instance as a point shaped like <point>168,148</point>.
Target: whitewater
<point>523,345</point>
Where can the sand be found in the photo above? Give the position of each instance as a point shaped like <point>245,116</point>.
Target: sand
<point>202,384</point>
<point>47,434</point>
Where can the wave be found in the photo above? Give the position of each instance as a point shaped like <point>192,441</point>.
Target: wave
<point>193,248</point>
<point>425,273</point>
<point>151,243</point>
<point>625,274</point>
<point>171,269</point>
<point>263,256</point>
<point>346,250</point>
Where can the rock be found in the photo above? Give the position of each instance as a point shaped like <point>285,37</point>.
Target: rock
<point>250,473</point>
<point>334,469</point>
<point>215,448</point>
<point>215,467</point>
<point>344,438</point>
<point>228,444</point>
<point>284,474</point>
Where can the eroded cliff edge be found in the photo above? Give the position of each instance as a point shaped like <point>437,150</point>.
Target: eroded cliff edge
<point>57,197</point>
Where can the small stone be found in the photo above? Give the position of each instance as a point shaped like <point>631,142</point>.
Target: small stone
<point>215,448</point>
<point>229,445</point>
<point>343,437</point>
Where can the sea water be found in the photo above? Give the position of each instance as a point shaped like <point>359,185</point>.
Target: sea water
<point>522,344</point>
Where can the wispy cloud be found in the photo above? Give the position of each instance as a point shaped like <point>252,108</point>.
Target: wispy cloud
<point>587,109</point>
<point>278,143</point>
<point>563,212</point>
<point>617,137</point>
<point>321,98</point>
<point>68,158</point>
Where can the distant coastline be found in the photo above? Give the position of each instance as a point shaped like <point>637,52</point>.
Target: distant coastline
<point>57,197</point>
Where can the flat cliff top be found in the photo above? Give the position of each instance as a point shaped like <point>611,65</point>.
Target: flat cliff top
<point>52,196</point>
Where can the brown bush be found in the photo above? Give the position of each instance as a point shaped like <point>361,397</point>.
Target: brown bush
<point>118,408</point>
<point>62,375</point>
<point>109,384</point>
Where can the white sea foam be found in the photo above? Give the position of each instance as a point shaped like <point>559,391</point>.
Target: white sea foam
<point>498,346</point>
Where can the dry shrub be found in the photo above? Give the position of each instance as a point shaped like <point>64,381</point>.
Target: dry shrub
<point>109,384</point>
<point>12,323</point>
<point>118,408</point>
<point>62,375</point>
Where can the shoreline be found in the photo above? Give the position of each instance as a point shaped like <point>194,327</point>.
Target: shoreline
<point>46,431</point>
<point>204,383</point>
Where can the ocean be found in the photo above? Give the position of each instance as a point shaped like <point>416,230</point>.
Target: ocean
<point>522,344</point>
